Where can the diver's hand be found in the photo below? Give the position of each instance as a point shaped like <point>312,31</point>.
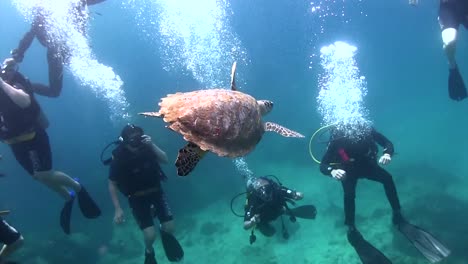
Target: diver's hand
<point>16,56</point>
<point>298,196</point>
<point>145,139</point>
<point>385,159</point>
<point>414,2</point>
<point>9,62</point>
<point>255,219</point>
<point>119,216</point>
<point>338,174</point>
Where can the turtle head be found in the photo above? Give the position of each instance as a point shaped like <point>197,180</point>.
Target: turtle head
<point>265,106</point>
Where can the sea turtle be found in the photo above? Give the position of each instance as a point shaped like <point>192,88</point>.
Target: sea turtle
<point>225,122</point>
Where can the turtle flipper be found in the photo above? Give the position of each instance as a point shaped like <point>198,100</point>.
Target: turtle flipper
<point>233,76</point>
<point>151,114</point>
<point>285,132</point>
<point>188,158</point>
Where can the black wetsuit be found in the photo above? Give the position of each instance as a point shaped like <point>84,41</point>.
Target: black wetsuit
<point>269,209</point>
<point>359,160</point>
<point>138,176</point>
<point>453,13</point>
<point>57,54</point>
<point>34,154</point>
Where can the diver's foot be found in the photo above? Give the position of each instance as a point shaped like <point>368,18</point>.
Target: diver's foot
<point>352,230</point>
<point>353,235</point>
<point>149,258</point>
<point>398,218</point>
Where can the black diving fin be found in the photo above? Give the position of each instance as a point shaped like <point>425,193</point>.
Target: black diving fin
<point>430,247</point>
<point>172,247</point>
<point>365,250</point>
<point>456,86</point>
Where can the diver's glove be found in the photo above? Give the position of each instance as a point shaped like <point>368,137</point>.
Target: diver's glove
<point>16,55</point>
<point>298,195</point>
<point>338,174</point>
<point>385,159</point>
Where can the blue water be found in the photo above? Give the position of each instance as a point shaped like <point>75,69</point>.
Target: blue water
<point>399,51</point>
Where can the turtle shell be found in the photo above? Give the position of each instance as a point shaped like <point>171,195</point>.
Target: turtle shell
<point>225,122</point>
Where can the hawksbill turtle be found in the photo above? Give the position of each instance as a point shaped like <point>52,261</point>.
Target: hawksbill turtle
<point>225,122</point>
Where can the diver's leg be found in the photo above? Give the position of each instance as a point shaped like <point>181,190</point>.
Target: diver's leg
<point>164,212</point>
<point>149,235</point>
<point>349,195</point>
<point>450,18</point>
<point>41,158</point>
<point>378,174</point>
<point>35,157</point>
<point>449,27</point>
<point>142,212</point>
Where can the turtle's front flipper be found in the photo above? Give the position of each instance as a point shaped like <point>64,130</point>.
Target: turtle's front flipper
<point>188,158</point>
<point>151,114</point>
<point>285,132</point>
<point>233,77</point>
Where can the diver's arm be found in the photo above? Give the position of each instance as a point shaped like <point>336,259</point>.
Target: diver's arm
<point>18,96</point>
<point>251,222</point>
<point>328,162</point>
<point>24,44</point>
<point>113,191</point>
<point>384,142</point>
<point>250,218</point>
<point>162,156</point>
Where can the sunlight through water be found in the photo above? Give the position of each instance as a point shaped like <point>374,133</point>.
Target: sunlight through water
<point>193,36</point>
<point>342,89</point>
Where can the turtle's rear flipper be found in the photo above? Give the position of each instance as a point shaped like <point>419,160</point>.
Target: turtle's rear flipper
<point>151,114</point>
<point>188,158</point>
<point>285,132</point>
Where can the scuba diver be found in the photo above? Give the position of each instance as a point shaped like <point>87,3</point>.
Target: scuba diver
<point>11,239</point>
<point>23,127</point>
<point>266,201</point>
<point>57,53</point>
<point>452,14</point>
<point>136,173</point>
<point>349,159</point>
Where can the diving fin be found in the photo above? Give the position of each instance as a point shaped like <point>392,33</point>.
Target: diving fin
<point>172,247</point>
<point>365,250</point>
<point>456,86</point>
<point>4,212</point>
<point>430,247</point>
<point>65,215</point>
<point>88,207</point>
<point>304,211</point>
<point>188,158</point>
